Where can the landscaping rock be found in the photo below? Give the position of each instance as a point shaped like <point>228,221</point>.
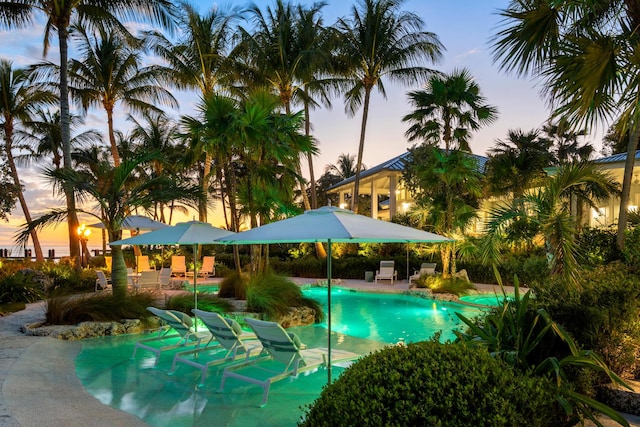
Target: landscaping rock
<point>298,316</point>
<point>87,329</point>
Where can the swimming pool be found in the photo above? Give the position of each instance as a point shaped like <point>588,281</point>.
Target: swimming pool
<point>361,323</point>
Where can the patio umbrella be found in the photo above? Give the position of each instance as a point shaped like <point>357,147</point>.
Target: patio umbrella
<point>184,233</point>
<point>330,224</point>
<point>136,222</point>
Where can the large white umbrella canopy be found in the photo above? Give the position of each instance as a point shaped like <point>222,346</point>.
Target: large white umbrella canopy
<point>136,222</point>
<point>331,224</point>
<point>184,233</point>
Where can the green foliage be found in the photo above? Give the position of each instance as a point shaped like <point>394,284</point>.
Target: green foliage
<point>234,285</point>
<point>525,337</point>
<point>432,384</point>
<point>274,295</point>
<point>598,246</point>
<point>19,287</point>
<point>206,301</point>
<point>631,251</point>
<point>441,285</point>
<point>601,315</point>
<point>97,307</point>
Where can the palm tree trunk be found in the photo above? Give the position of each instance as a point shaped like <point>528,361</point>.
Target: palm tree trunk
<point>634,136</point>
<point>112,137</point>
<point>21,199</point>
<point>72,218</point>
<point>202,205</point>
<point>363,128</point>
<point>312,178</point>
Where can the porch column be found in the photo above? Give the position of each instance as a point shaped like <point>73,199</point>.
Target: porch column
<point>341,195</point>
<point>392,196</point>
<point>374,200</point>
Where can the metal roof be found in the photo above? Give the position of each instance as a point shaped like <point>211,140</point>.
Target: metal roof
<point>620,157</point>
<point>397,163</point>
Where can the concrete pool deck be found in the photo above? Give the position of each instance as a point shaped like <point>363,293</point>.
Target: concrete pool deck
<point>39,387</point>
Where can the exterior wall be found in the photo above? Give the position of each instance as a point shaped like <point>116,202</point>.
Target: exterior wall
<point>388,184</point>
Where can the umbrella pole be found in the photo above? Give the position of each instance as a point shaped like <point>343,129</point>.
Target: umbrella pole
<point>329,310</point>
<point>195,281</point>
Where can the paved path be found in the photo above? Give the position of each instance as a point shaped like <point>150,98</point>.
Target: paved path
<point>39,387</point>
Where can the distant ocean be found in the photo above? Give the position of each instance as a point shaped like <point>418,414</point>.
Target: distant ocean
<point>59,250</point>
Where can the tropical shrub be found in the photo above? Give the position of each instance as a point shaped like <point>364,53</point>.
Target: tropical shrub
<point>525,337</point>
<point>97,307</point>
<point>19,287</point>
<point>206,301</point>
<point>440,285</point>
<point>274,295</point>
<point>601,315</point>
<point>432,384</point>
<point>598,246</point>
<point>234,285</point>
<point>631,253</point>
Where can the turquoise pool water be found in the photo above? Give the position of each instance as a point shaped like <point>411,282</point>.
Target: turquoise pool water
<point>486,299</point>
<point>361,323</point>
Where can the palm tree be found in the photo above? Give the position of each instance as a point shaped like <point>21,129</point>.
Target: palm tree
<point>114,192</point>
<point>109,74</point>
<point>199,60</point>
<point>378,41</point>
<point>518,163</point>
<point>567,147</point>
<point>449,109</point>
<point>446,187</point>
<point>8,190</point>
<point>59,15</point>
<point>283,53</point>
<point>344,168</point>
<point>548,209</point>
<point>19,100</point>
<point>585,53</point>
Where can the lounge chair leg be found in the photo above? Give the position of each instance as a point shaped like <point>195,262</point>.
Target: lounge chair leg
<point>265,393</point>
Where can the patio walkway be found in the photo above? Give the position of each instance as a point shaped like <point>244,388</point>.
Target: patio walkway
<point>39,387</point>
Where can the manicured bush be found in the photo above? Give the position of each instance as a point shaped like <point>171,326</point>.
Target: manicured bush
<point>432,384</point>
<point>274,295</point>
<point>598,246</point>
<point>631,253</point>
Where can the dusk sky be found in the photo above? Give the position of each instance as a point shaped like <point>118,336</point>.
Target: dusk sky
<point>465,27</point>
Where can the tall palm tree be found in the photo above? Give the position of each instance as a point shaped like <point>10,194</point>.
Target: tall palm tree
<point>8,190</point>
<point>59,15</point>
<point>380,40</point>
<point>199,60</point>
<point>109,74</point>
<point>449,109</point>
<point>283,53</point>
<point>517,163</point>
<point>446,187</point>
<point>19,100</point>
<point>585,53</point>
<point>548,209</point>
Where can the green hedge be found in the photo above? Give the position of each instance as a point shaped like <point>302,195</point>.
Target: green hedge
<point>432,384</point>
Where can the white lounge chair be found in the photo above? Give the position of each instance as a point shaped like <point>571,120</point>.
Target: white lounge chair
<point>148,280</point>
<point>178,265</point>
<point>232,343</point>
<point>282,356</point>
<point>426,268</point>
<point>164,278</point>
<point>102,282</point>
<point>184,334</point>
<point>387,272</point>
